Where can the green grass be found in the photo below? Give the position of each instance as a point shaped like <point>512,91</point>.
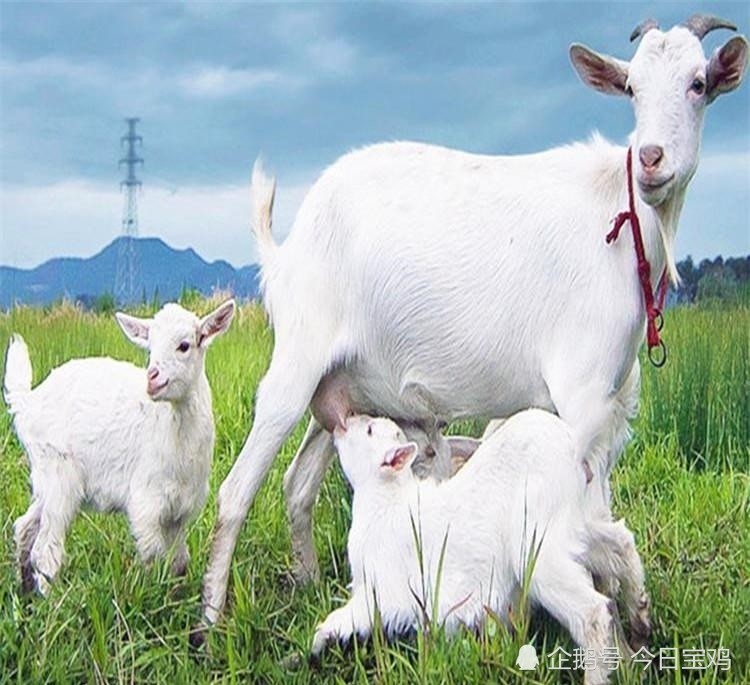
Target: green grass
<point>682,486</point>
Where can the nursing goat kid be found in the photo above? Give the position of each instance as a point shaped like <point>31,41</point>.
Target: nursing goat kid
<point>422,551</point>
<point>428,284</point>
<point>106,433</point>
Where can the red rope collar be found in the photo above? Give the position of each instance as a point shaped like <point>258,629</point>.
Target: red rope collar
<point>653,308</point>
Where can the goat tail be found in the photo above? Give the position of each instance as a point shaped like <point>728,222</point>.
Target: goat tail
<point>263,193</point>
<point>17,382</point>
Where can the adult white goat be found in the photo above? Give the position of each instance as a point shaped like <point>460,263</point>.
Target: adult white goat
<point>424,551</point>
<point>106,433</point>
<point>420,282</point>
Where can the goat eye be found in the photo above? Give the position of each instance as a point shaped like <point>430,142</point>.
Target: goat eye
<point>698,86</point>
<point>184,346</point>
<point>369,430</point>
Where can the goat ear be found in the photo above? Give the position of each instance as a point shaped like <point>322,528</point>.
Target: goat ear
<point>726,68</point>
<point>462,450</point>
<point>135,329</point>
<point>215,323</point>
<point>461,447</point>
<point>399,456</point>
<point>601,72</point>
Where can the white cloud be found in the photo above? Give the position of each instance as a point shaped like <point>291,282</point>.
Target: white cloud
<point>219,81</point>
<point>70,218</point>
<point>53,68</point>
<point>78,218</point>
<point>205,81</point>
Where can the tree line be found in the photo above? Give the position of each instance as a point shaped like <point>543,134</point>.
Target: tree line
<point>712,279</point>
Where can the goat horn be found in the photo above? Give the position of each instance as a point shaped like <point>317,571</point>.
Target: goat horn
<point>643,27</point>
<point>701,24</point>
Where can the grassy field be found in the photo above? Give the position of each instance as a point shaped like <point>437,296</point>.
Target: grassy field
<point>683,486</point>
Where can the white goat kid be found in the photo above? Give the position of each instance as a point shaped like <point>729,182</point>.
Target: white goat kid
<point>423,282</point>
<point>467,558</point>
<point>106,433</point>
<point>438,458</point>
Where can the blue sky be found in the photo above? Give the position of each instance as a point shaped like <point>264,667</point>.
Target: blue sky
<point>217,83</point>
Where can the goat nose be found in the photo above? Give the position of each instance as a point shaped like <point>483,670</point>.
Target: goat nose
<point>651,155</point>
<point>152,373</point>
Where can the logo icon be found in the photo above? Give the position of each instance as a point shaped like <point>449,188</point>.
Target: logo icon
<point>527,659</point>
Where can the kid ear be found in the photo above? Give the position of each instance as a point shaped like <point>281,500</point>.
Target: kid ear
<point>135,329</point>
<point>461,447</point>
<point>215,323</point>
<point>400,456</point>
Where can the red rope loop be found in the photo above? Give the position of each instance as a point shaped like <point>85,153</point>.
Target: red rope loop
<point>654,318</point>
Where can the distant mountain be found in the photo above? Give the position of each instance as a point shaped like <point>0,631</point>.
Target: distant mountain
<point>162,270</point>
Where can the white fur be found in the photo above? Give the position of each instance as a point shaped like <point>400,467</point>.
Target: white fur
<point>518,504</point>
<point>444,284</point>
<point>438,457</point>
<point>97,433</point>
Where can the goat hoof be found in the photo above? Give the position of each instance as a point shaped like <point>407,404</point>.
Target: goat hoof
<point>198,636</point>
<point>28,583</point>
<point>41,583</point>
<point>640,625</point>
<point>640,632</point>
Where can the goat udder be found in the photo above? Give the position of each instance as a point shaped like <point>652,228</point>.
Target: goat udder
<point>331,403</point>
